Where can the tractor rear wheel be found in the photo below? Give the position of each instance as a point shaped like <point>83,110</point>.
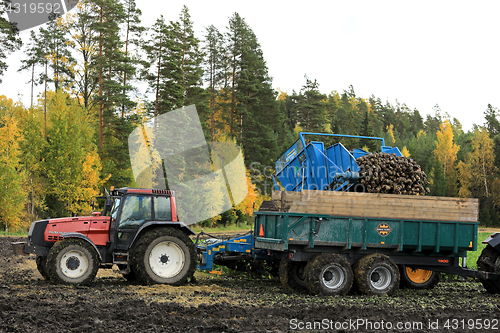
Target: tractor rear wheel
<point>164,255</point>
<point>328,274</point>
<point>376,274</point>
<point>489,261</point>
<point>291,274</point>
<point>72,261</point>
<point>41,265</point>
<point>416,278</point>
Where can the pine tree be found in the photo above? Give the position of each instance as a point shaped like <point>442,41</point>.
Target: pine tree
<point>133,38</point>
<point>492,123</point>
<point>235,36</point>
<point>163,67</point>
<point>9,38</point>
<point>214,69</point>
<point>366,129</point>
<point>56,52</point>
<point>310,107</point>
<point>35,57</point>
<point>191,60</point>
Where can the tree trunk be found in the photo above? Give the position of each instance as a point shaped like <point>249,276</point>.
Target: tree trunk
<point>124,72</point>
<point>45,102</point>
<point>158,81</point>
<point>32,82</point>
<point>212,102</point>
<point>101,125</point>
<point>484,175</point>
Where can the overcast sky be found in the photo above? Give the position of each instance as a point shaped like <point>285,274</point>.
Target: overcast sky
<point>418,53</point>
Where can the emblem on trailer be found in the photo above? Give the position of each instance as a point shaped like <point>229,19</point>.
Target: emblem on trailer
<point>383,229</point>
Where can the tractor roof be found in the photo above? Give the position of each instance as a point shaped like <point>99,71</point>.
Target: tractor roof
<point>126,190</point>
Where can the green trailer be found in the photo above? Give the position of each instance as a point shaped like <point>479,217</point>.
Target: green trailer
<point>329,254</point>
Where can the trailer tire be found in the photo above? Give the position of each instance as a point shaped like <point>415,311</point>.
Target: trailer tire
<point>376,274</point>
<point>489,261</point>
<point>72,261</point>
<point>291,274</point>
<point>153,252</point>
<point>418,278</point>
<point>41,265</point>
<point>328,274</point>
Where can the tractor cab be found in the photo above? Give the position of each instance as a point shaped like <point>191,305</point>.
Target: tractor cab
<point>133,208</point>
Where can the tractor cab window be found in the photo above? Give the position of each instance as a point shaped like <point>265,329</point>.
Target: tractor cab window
<point>136,210</point>
<point>163,211</point>
<point>114,209</point>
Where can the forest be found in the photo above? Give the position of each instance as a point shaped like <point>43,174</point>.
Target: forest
<point>104,72</point>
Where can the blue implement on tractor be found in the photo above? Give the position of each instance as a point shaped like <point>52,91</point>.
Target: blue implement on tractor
<point>238,253</point>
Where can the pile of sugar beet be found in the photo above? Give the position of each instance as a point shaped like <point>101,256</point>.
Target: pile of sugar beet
<point>391,174</point>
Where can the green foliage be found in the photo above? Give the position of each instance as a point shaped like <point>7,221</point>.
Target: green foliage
<point>12,194</point>
<point>438,182</point>
<point>310,108</point>
<point>72,165</point>
<point>473,256</point>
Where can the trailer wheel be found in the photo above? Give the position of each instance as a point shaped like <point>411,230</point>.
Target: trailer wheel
<point>418,278</point>
<point>328,274</point>
<point>292,274</point>
<point>41,265</point>
<point>489,261</point>
<point>376,274</point>
<point>165,256</point>
<point>72,261</point>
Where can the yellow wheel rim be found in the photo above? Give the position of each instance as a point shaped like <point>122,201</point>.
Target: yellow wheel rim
<point>418,275</point>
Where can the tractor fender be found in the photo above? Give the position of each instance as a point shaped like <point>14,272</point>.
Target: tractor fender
<point>494,241</point>
<point>85,238</point>
<point>154,224</point>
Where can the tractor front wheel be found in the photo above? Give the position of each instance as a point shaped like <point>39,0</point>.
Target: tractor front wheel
<point>41,265</point>
<point>165,256</point>
<point>72,261</point>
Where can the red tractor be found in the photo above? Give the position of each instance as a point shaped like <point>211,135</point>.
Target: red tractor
<point>138,231</point>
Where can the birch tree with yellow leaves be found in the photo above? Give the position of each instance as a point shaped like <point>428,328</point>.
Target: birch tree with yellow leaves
<point>12,194</point>
<point>446,153</point>
<point>476,174</point>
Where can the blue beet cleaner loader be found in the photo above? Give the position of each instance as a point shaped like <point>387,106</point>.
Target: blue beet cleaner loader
<point>323,232</point>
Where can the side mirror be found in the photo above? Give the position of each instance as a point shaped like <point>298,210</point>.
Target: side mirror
<point>93,204</point>
<point>107,206</point>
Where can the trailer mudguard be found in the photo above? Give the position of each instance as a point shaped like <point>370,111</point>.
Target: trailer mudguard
<point>493,240</point>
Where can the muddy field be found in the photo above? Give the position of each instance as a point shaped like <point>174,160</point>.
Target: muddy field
<point>228,304</point>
